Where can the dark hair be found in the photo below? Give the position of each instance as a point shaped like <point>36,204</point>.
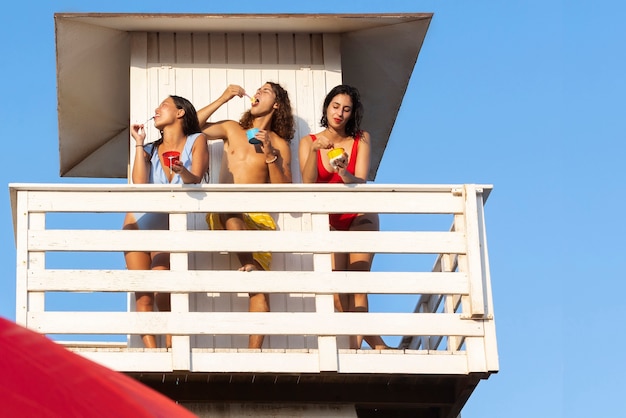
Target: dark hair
<point>282,122</point>
<point>191,125</point>
<point>190,119</point>
<point>354,123</point>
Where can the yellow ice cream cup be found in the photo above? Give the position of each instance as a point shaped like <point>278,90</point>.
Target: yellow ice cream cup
<point>335,154</point>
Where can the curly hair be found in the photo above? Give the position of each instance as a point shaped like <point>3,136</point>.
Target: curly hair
<point>282,122</point>
<point>353,126</point>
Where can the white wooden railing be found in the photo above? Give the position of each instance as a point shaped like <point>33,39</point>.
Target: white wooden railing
<point>452,330</point>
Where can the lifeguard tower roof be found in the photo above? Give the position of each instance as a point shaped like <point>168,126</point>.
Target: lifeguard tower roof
<point>378,53</point>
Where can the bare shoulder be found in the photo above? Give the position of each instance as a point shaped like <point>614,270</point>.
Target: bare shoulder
<point>365,137</point>
<point>232,125</point>
<point>306,139</point>
<point>201,137</point>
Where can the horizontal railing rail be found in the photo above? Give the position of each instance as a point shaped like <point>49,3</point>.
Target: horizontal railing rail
<point>452,325</point>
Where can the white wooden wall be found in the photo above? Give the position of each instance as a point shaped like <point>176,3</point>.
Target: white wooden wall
<point>199,67</point>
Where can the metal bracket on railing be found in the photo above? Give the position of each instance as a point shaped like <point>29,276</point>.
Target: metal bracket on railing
<point>487,316</point>
<point>458,191</point>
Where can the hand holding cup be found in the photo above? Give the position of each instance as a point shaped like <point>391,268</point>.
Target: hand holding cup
<point>251,133</point>
<point>337,157</point>
<point>171,158</point>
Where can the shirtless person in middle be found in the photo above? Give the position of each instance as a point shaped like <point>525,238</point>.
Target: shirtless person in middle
<point>267,161</point>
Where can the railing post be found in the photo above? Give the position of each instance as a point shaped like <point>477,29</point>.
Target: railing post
<point>326,344</point>
<point>449,263</point>
<point>21,268</point>
<point>181,344</point>
<point>28,261</point>
<point>474,257</point>
<point>489,347</point>
<point>36,262</point>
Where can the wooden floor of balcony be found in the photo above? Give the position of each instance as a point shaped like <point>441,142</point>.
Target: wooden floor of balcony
<point>373,395</point>
<point>389,395</point>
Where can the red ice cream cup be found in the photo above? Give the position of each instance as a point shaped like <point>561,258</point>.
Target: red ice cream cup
<point>170,156</point>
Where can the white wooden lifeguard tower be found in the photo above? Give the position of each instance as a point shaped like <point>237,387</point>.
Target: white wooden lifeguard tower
<point>114,69</point>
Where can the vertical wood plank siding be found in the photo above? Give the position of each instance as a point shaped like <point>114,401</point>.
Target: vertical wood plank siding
<point>199,66</point>
<point>235,48</point>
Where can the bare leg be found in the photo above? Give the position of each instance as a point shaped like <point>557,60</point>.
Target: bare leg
<point>161,261</point>
<point>235,222</point>
<point>259,302</point>
<point>138,260</point>
<point>163,303</point>
<point>339,262</point>
<point>144,302</point>
<point>363,262</point>
<point>344,302</point>
<point>361,305</point>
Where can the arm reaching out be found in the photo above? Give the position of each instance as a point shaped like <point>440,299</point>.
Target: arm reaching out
<point>362,163</point>
<point>199,162</point>
<point>231,91</point>
<point>278,159</point>
<point>307,151</point>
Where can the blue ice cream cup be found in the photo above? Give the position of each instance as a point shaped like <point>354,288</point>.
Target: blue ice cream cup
<point>250,133</point>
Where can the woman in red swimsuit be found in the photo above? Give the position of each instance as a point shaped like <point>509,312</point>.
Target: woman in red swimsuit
<point>341,118</point>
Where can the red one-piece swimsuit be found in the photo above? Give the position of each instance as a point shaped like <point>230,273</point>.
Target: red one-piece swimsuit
<point>339,221</point>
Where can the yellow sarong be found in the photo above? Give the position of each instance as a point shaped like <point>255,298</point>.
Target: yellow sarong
<point>254,221</point>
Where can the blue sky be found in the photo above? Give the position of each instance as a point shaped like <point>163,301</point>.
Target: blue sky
<point>526,95</point>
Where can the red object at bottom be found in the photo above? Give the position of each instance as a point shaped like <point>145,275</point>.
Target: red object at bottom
<point>41,378</point>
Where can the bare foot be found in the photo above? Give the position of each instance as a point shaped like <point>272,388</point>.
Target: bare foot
<point>248,267</point>
<point>376,342</point>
